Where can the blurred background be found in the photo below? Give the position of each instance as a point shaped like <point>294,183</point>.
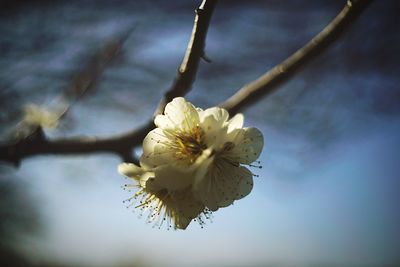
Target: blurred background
<point>328,192</point>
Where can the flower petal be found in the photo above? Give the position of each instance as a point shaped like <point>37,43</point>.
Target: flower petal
<point>156,149</point>
<point>220,114</point>
<point>162,121</point>
<point>130,170</point>
<point>187,208</point>
<point>135,172</point>
<point>222,184</point>
<point>145,177</point>
<point>213,133</point>
<point>245,184</point>
<point>235,184</point>
<point>202,164</point>
<point>248,144</point>
<point>169,178</point>
<point>236,122</point>
<point>175,209</point>
<point>204,191</point>
<point>178,114</point>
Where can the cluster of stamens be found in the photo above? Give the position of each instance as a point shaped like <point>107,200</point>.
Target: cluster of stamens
<point>189,145</point>
<point>160,209</point>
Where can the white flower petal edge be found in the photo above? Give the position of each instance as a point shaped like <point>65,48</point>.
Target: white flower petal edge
<point>130,170</point>
<point>157,149</point>
<point>178,115</point>
<point>134,172</point>
<point>236,122</point>
<point>219,114</point>
<point>169,178</point>
<point>248,144</point>
<point>222,184</point>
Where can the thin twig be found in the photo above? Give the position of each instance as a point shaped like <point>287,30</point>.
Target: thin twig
<point>195,51</point>
<point>271,80</point>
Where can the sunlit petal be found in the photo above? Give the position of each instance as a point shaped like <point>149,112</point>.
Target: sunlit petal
<point>157,149</point>
<point>236,122</point>
<point>222,184</point>
<point>220,115</point>
<point>248,144</point>
<point>213,135</point>
<point>170,178</point>
<point>130,170</point>
<point>178,114</point>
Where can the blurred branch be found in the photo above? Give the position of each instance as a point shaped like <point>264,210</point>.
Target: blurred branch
<point>271,80</point>
<point>86,78</point>
<point>83,81</point>
<point>122,145</point>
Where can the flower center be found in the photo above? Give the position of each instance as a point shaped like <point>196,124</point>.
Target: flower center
<point>190,144</point>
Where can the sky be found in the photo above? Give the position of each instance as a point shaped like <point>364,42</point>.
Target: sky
<point>328,190</point>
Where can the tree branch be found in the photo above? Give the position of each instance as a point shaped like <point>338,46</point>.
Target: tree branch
<point>269,82</point>
<point>195,51</point>
<point>122,145</point>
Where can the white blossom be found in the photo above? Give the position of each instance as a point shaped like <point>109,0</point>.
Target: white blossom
<point>38,116</point>
<point>196,156</point>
